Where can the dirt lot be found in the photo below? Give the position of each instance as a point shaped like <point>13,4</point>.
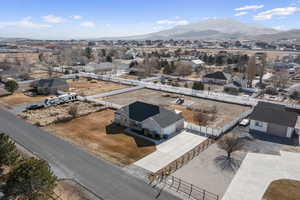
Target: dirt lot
<point>127,76</point>
<point>19,98</point>
<point>47,116</point>
<point>95,134</point>
<point>69,190</point>
<point>43,74</point>
<point>145,95</point>
<point>225,112</point>
<point>86,88</point>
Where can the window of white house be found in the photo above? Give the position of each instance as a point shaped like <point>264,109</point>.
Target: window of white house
<point>259,124</point>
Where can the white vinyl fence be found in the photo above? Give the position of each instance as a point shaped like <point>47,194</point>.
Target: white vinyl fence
<point>215,132</point>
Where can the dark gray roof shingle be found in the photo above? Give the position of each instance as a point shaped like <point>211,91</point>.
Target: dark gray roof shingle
<point>274,113</point>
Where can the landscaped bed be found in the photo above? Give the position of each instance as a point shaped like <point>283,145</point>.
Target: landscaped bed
<point>96,134</point>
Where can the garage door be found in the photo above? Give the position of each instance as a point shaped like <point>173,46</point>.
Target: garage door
<point>277,130</point>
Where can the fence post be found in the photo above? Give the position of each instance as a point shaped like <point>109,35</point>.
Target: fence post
<point>191,190</point>
<point>204,194</point>
<point>179,185</point>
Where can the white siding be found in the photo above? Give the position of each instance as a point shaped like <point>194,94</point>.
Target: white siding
<point>151,125</point>
<point>289,132</point>
<point>263,128</point>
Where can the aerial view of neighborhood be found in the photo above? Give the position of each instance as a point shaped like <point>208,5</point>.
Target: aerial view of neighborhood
<point>150,100</point>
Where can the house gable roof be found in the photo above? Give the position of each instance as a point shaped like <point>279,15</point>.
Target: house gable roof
<point>140,111</point>
<point>218,75</point>
<point>51,82</point>
<point>275,113</point>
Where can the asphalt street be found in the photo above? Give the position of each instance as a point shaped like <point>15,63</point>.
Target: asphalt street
<point>68,161</point>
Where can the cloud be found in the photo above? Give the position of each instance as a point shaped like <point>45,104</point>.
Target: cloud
<point>249,7</point>
<point>88,24</point>
<point>53,19</point>
<point>240,14</point>
<point>172,22</point>
<point>76,17</point>
<point>24,23</point>
<point>276,12</point>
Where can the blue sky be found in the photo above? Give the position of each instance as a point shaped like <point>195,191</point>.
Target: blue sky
<point>67,19</point>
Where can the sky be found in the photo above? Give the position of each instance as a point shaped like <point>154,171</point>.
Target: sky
<point>84,19</point>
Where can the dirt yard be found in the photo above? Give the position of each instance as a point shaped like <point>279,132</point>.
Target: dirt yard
<point>37,74</point>
<point>127,76</point>
<point>53,114</point>
<point>69,190</point>
<point>145,95</point>
<point>85,88</point>
<point>19,98</point>
<point>225,112</point>
<point>95,134</point>
<point>283,189</point>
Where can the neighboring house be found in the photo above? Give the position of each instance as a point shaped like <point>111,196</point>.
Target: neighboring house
<point>274,119</point>
<point>218,78</point>
<point>150,119</point>
<point>50,86</point>
<point>197,63</point>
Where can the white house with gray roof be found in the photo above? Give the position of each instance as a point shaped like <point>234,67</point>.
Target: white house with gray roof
<point>149,119</point>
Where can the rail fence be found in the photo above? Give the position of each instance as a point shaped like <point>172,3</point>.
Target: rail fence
<point>184,159</point>
<point>188,189</point>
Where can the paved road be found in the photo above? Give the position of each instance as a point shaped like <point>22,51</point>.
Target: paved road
<point>108,181</point>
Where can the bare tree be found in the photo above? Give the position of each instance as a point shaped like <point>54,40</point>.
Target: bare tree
<point>73,111</point>
<point>280,79</point>
<point>251,70</point>
<point>230,143</point>
<point>50,71</point>
<point>183,69</point>
<point>262,67</point>
<point>200,118</point>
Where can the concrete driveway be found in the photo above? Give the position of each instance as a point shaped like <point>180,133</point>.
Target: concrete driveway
<point>170,150</point>
<point>258,171</point>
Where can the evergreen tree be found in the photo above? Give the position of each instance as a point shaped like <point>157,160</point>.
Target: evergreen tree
<point>32,179</point>
<point>8,151</point>
<point>11,86</point>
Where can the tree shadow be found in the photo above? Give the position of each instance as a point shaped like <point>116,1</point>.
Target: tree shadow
<point>227,164</point>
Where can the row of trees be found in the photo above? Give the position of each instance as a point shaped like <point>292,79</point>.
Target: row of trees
<point>28,178</point>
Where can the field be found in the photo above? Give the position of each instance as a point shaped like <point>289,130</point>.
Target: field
<point>38,74</point>
<point>86,88</point>
<point>225,112</point>
<point>96,134</point>
<point>19,98</point>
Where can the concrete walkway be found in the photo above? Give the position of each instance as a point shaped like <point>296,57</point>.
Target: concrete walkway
<point>170,150</point>
<point>258,171</point>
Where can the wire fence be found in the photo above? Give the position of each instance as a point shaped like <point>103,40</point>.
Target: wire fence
<point>186,188</point>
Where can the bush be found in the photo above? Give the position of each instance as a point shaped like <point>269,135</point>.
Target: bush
<point>11,86</point>
<point>295,95</point>
<point>271,91</point>
<point>198,86</point>
<point>8,151</point>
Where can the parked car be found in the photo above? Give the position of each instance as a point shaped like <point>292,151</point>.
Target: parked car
<point>244,122</point>
<point>35,106</point>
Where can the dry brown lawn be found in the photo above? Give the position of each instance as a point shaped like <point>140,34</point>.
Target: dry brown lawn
<point>284,189</point>
<point>19,98</point>
<point>127,76</point>
<point>86,88</point>
<point>95,134</point>
<point>68,190</point>
<point>37,74</point>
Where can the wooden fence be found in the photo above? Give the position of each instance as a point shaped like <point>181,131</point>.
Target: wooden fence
<point>184,159</point>
<point>186,188</point>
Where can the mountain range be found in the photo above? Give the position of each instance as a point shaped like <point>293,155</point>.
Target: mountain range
<point>218,29</point>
